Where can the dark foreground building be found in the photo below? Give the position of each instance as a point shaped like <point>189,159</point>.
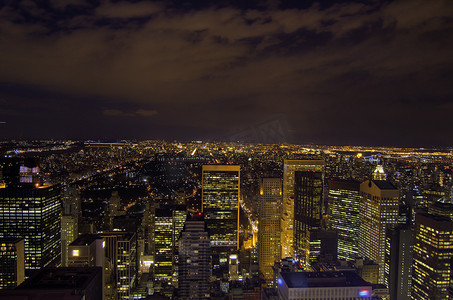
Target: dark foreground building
<point>60,284</point>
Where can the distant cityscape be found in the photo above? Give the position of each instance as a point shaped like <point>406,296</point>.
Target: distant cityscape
<point>212,220</point>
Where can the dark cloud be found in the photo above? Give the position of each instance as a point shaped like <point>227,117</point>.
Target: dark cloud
<point>346,72</point>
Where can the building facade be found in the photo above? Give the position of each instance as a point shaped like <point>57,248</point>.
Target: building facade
<point>12,262</point>
<point>398,262</point>
<point>32,212</point>
<point>344,201</point>
<point>163,245</point>
<point>308,207</point>
<point>433,252</point>
<point>269,245</point>
<point>122,259</point>
<point>69,221</point>
<point>379,202</point>
<point>194,260</point>
<point>220,202</point>
<point>287,221</point>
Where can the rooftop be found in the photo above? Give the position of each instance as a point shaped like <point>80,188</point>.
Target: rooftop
<point>323,279</point>
<point>384,185</point>
<point>61,278</point>
<point>85,240</point>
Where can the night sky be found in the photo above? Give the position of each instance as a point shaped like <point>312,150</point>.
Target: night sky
<point>328,72</point>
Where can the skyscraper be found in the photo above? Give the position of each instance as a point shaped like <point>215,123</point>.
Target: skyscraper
<point>344,201</point>
<point>378,210</point>
<point>179,219</point>
<point>168,224</point>
<point>32,212</point>
<point>220,199</point>
<point>12,262</point>
<point>163,245</point>
<point>269,245</point>
<point>398,262</point>
<point>433,252</point>
<point>69,221</point>
<point>194,260</point>
<point>287,221</point>
<point>121,253</point>
<point>308,206</point>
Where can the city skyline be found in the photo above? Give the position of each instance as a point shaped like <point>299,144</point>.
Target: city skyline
<point>330,72</point>
<point>128,208</point>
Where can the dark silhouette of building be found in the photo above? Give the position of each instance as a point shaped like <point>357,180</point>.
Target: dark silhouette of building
<point>308,210</point>
<point>194,260</point>
<point>59,284</point>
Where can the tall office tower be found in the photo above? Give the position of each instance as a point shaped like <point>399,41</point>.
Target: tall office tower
<point>344,200</point>
<point>194,260</point>
<point>433,252</point>
<point>378,210</point>
<point>114,208</point>
<point>148,227</point>
<point>12,262</point>
<point>163,237</point>
<point>32,212</point>
<point>69,221</point>
<point>398,262</point>
<point>179,219</point>
<point>220,198</point>
<point>270,206</point>
<point>308,208</point>
<point>121,254</point>
<point>287,221</point>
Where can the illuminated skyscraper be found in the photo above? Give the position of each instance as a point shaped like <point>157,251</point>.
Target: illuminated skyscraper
<point>121,254</point>
<point>378,210</point>
<point>220,199</point>
<point>163,245</point>
<point>69,221</point>
<point>270,205</point>
<point>433,252</point>
<point>168,224</point>
<point>194,260</point>
<point>179,219</point>
<point>32,212</point>
<point>287,221</point>
<point>12,262</point>
<point>344,200</point>
<point>308,207</point>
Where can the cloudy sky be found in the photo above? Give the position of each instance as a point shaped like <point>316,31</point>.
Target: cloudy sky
<point>327,72</point>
